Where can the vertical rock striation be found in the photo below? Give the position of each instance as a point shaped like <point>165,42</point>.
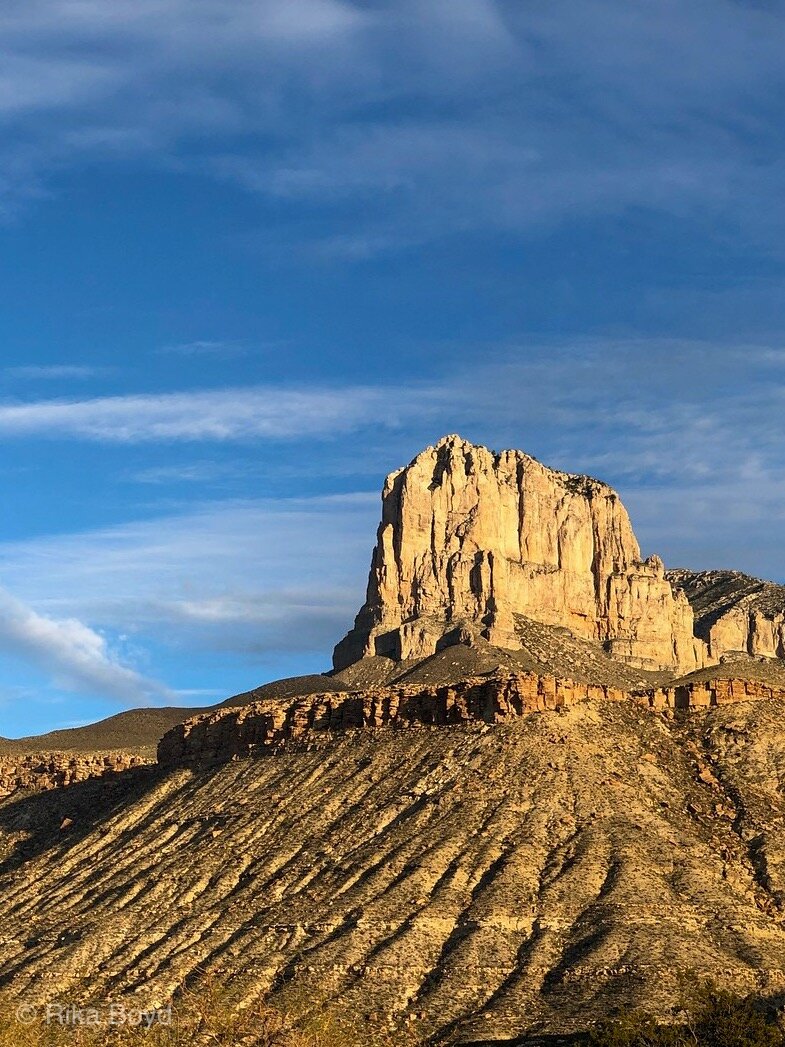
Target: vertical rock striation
<point>735,612</point>
<point>470,538</point>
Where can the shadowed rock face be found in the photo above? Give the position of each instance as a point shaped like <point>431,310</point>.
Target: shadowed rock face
<point>469,539</point>
<point>735,612</point>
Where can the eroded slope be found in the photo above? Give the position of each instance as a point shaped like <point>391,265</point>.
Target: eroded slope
<point>478,880</point>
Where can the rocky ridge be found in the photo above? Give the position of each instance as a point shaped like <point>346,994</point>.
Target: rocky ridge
<point>52,770</point>
<point>734,612</point>
<point>469,539</point>
<point>263,728</point>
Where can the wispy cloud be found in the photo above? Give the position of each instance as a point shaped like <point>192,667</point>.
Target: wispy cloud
<point>254,576</point>
<point>205,348</point>
<point>226,414</point>
<point>74,655</point>
<point>634,410</point>
<point>523,116</point>
<point>201,472</point>
<point>54,372</point>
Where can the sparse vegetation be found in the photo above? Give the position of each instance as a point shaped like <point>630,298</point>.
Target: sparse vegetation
<point>204,1015</point>
<point>711,1017</point>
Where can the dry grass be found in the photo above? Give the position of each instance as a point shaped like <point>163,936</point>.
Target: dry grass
<point>204,1015</point>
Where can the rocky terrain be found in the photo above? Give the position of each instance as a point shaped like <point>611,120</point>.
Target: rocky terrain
<point>52,770</point>
<point>480,880</point>
<point>264,727</point>
<point>734,612</point>
<point>545,781</point>
<point>261,728</point>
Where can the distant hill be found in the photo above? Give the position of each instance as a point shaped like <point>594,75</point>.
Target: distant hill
<point>131,731</point>
<point>139,730</point>
<point>289,687</point>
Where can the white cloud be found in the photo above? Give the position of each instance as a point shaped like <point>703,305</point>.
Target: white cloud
<point>522,115</point>
<point>278,576</point>
<point>77,657</point>
<point>227,414</point>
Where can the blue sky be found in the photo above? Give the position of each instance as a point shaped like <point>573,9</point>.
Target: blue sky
<point>253,256</point>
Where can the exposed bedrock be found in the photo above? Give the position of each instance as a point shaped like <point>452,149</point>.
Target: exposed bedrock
<point>51,770</point>
<point>735,612</point>
<point>265,727</point>
<point>476,882</point>
<point>470,538</point>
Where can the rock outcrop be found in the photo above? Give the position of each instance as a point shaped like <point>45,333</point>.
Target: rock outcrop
<point>263,728</point>
<point>52,770</point>
<point>469,539</point>
<point>734,612</point>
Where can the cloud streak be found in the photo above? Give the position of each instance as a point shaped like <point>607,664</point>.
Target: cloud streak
<point>678,417</point>
<point>204,348</point>
<point>247,576</point>
<point>56,372</point>
<point>76,657</point>
<point>655,409</point>
<point>226,414</point>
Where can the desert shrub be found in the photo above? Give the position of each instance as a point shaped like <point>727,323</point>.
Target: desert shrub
<point>204,1019</point>
<point>721,1018</point>
<point>634,1029</point>
<point>204,1014</point>
<point>712,1017</point>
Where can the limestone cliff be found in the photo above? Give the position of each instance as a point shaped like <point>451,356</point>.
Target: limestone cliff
<point>734,612</point>
<point>469,539</point>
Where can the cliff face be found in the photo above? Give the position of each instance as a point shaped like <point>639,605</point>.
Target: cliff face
<point>264,728</point>
<point>734,612</point>
<point>469,539</point>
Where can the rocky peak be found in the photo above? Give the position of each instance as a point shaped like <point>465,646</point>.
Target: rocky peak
<point>470,538</point>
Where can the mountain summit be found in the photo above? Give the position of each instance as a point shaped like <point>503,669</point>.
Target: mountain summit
<point>471,539</point>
